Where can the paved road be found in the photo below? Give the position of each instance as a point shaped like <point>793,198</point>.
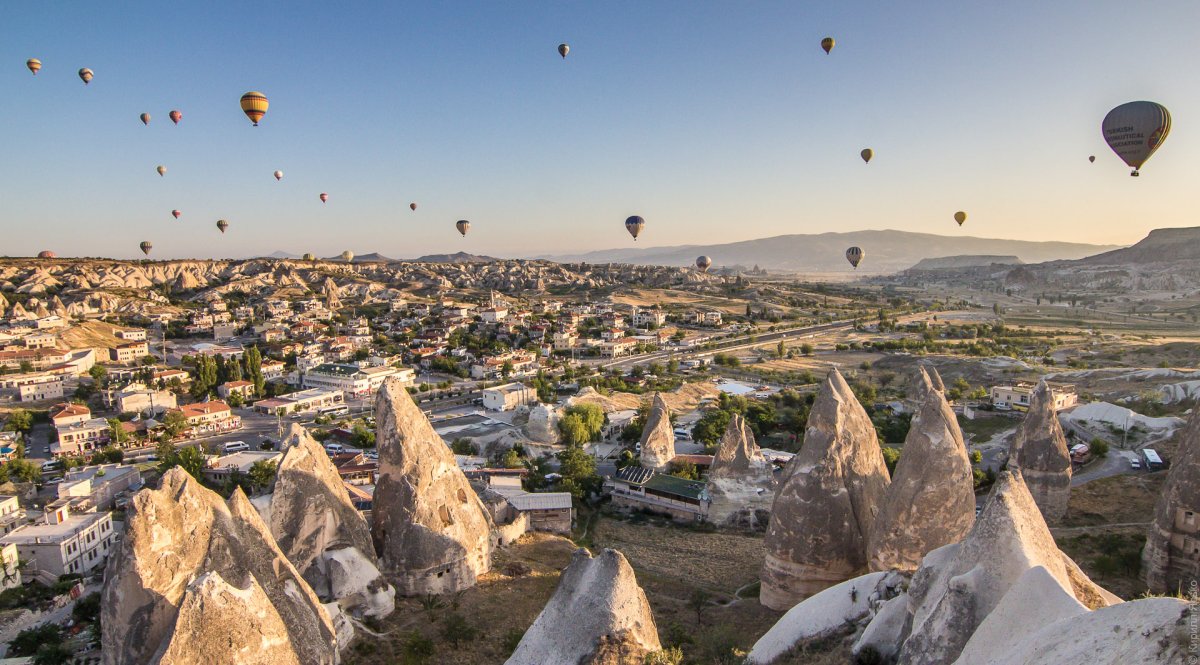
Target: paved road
<point>759,340</point>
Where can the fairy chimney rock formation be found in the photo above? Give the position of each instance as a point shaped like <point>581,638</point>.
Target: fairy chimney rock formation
<point>959,585</point>
<point>193,572</point>
<point>431,531</point>
<point>658,439</point>
<point>322,533</point>
<point>1039,450</point>
<point>1171,558</point>
<point>598,615</point>
<point>829,496</point>
<point>741,484</point>
<point>931,500</point>
<point>935,379</point>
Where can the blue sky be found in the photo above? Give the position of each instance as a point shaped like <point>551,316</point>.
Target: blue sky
<point>714,121</point>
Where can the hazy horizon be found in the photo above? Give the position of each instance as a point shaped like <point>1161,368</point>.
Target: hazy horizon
<point>716,124</point>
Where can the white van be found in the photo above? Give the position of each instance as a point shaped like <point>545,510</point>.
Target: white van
<point>234,447</point>
<point>334,448</point>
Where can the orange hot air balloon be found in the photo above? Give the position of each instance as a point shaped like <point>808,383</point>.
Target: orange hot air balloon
<point>413,206</point>
<point>47,254</point>
<point>175,116</point>
<point>86,75</point>
<point>145,118</point>
<point>34,65</point>
<point>827,44</point>
<point>254,105</point>
<point>176,213</point>
<point>324,197</point>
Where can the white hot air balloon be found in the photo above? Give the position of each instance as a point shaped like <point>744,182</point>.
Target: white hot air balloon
<point>1135,130</point>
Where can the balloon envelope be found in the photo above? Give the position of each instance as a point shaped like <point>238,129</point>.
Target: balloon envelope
<point>176,213</point>
<point>1092,158</point>
<point>162,170</point>
<point>412,206</point>
<point>867,154</point>
<point>563,50</point>
<point>855,256</point>
<point>827,44</point>
<point>34,65</point>
<point>463,226</point>
<point>347,256</point>
<point>145,117</point>
<point>279,175</point>
<point>1135,130</point>
<point>222,224</point>
<point>309,257</point>
<point>703,262</point>
<point>146,246</point>
<point>46,254</point>
<point>634,225</point>
<point>324,197</point>
<point>86,75</point>
<point>960,217</point>
<point>254,105</point>
<point>175,116</point>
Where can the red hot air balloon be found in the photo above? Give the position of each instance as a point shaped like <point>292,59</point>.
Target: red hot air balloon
<point>175,116</point>
<point>324,197</point>
<point>176,213</point>
<point>45,253</point>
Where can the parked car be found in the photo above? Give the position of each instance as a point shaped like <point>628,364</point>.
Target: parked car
<point>1135,464</point>
<point>334,448</point>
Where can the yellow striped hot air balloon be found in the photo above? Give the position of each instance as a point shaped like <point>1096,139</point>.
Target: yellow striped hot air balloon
<point>254,105</point>
<point>34,65</point>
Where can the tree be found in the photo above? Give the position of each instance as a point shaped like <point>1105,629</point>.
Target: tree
<point>109,455</point>
<point>235,399</point>
<point>1099,447</point>
<point>19,420</point>
<point>698,601</point>
<point>99,374</point>
<point>511,459</point>
<point>362,436</point>
<point>806,349</point>
<point>253,359</point>
<point>116,433</point>
<point>578,470</point>
<point>464,446</point>
<point>506,369</point>
<point>890,457</point>
<point>456,629</point>
<point>262,473</point>
<point>711,427</point>
<point>684,469</point>
<point>174,423</point>
<point>780,349</point>
<point>581,423</point>
<point>27,642</point>
<point>189,458</point>
<point>23,470</point>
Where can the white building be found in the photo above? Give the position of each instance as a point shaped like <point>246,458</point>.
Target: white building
<point>76,438</point>
<point>508,396</point>
<point>220,468</point>
<point>96,487</point>
<point>63,544</point>
<point>304,401</point>
<point>136,398</point>
<point>11,514</point>
<point>1017,396</point>
<point>354,381</point>
<point>645,317</point>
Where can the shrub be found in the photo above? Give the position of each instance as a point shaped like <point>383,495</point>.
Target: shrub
<point>456,629</point>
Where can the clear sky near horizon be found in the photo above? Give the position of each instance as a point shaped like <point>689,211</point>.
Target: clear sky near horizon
<point>715,121</point>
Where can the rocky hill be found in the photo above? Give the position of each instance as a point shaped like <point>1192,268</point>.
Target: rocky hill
<point>966,261</point>
<point>886,251</point>
<point>1161,246</point>
<point>457,257</point>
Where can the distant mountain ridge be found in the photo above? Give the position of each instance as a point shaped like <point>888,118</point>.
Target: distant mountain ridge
<point>1160,246</point>
<point>457,257</point>
<point>886,251</point>
<point>968,261</point>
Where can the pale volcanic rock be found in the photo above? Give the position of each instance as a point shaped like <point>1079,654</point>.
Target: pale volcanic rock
<point>1039,450</point>
<point>322,533</point>
<point>658,438</point>
<point>935,379</point>
<point>1170,560</point>
<point>818,616</point>
<point>1147,631</point>
<point>598,615</point>
<point>431,531</point>
<point>931,501</point>
<point>156,581</point>
<point>959,585</point>
<point>828,499</point>
<point>741,485</point>
<point>542,425</point>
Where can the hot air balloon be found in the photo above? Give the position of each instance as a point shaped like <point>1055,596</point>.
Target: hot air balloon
<point>254,105</point>
<point>324,197</point>
<point>86,75</point>
<point>145,117</point>
<point>1135,130</point>
<point>413,207</point>
<point>308,256</point>
<point>34,65</point>
<point>867,154</point>
<point>146,247</point>
<point>47,254</point>
<point>162,170</point>
<point>635,225</point>
<point>960,217</point>
<point>175,116</point>
<point>827,44</point>
<point>1092,159</point>
<point>347,256</point>
<point>176,213</point>
<point>222,224</point>
<point>855,256</point>
<point>703,262</point>
<point>563,50</point>
<point>279,175</point>
<point>463,226</point>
